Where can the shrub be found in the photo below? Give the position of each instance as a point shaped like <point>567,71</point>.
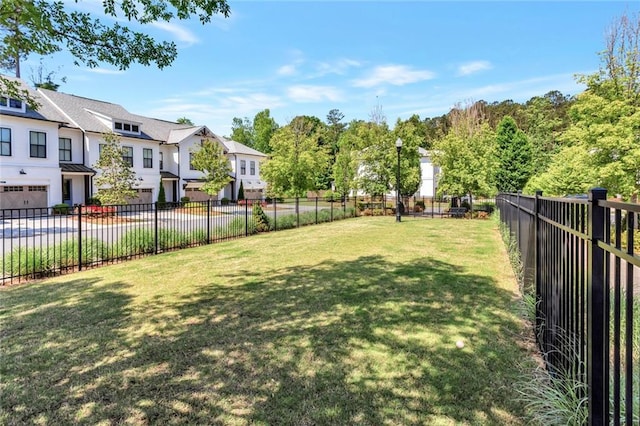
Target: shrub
<point>65,254</point>
<point>136,241</point>
<point>418,209</point>
<point>93,201</point>
<point>98,211</point>
<point>224,201</point>
<point>329,196</point>
<point>286,222</point>
<point>420,203</point>
<point>61,209</point>
<point>162,198</point>
<point>27,261</point>
<point>241,192</point>
<point>185,199</point>
<point>260,218</point>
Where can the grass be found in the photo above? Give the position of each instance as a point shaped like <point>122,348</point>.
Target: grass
<point>352,322</point>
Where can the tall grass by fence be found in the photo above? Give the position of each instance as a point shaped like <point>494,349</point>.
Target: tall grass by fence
<point>581,259</point>
<point>59,240</point>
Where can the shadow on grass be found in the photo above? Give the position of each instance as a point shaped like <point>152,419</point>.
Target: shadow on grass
<point>358,342</point>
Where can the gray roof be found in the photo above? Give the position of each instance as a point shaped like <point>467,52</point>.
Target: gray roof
<point>234,147</point>
<point>84,112</point>
<point>45,111</point>
<point>168,175</point>
<point>76,168</point>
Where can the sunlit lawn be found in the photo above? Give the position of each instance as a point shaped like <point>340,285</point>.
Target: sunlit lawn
<point>353,322</point>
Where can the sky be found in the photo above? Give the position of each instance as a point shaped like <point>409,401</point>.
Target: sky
<point>308,57</point>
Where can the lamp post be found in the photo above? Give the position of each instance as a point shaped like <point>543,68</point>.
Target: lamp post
<point>398,148</point>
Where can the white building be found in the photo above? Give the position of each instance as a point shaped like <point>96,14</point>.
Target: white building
<point>429,175</point>
<point>47,156</point>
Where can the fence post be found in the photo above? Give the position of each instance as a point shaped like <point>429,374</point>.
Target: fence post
<point>536,257</point>
<point>597,313</point>
<point>155,216</point>
<point>275,213</point>
<point>79,237</point>
<point>209,221</point>
<point>518,213</point>
<point>246,218</point>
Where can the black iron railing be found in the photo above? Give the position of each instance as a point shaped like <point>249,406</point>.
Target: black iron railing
<point>581,259</point>
<point>59,240</point>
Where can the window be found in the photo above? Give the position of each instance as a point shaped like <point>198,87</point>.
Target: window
<point>13,188</point>
<point>5,141</point>
<point>161,161</point>
<point>38,144</point>
<point>243,167</point>
<point>38,188</point>
<point>65,149</point>
<point>191,166</point>
<point>127,155</point>
<point>12,104</point>
<point>252,168</point>
<point>147,158</point>
<point>126,127</point>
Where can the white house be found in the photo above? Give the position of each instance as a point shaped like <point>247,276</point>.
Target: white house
<point>429,174</point>
<point>30,175</point>
<point>47,156</point>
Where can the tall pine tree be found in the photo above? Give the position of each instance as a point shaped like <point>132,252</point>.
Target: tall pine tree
<point>514,156</point>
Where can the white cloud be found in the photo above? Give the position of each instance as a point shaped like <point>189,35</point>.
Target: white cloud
<point>397,75</point>
<point>474,67</point>
<point>178,31</point>
<point>340,67</point>
<point>287,70</point>
<point>307,93</point>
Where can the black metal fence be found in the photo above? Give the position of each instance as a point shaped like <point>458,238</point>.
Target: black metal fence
<point>60,240</point>
<point>581,257</point>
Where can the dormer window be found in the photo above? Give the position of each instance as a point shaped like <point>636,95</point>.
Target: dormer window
<point>125,127</point>
<point>11,104</point>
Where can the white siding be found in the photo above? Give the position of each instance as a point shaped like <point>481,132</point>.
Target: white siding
<point>37,171</point>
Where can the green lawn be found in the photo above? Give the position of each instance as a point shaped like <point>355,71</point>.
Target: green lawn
<point>353,322</point>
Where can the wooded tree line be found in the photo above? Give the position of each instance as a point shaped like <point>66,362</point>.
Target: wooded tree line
<point>556,143</point>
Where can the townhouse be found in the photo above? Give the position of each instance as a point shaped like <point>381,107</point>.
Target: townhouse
<point>47,155</point>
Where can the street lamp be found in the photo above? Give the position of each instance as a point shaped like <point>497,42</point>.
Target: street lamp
<point>398,148</point>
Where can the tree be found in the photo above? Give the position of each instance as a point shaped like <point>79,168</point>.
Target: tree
<point>241,191</point>
<point>466,155</point>
<point>116,179</point>
<point>162,197</point>
<point>242,131</point>
<point>41,78</point>
<point>513,155</point>
<point>545,119</point>
<point>412,136</point>
<point>345,166</point>
<point>264,126</point>
<point>297,159</point>
<point>45,27</point>
<point>570,172</point>
<point>210,159</point>
<point>185,120</point>
<point>605,117</point>
<point>376,157</point>
<point>335,128</point>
